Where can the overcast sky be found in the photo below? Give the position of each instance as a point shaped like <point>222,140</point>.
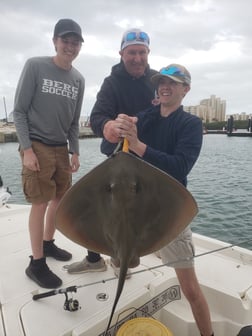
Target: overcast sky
<point>212,38</point>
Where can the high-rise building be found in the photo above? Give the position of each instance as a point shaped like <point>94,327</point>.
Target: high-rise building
<point>209,110</point>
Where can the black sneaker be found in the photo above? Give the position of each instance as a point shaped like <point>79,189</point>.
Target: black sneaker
<point>51,250</point>
<point>40,273</point>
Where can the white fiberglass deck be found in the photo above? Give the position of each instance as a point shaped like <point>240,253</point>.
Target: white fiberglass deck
<point>225,276</point>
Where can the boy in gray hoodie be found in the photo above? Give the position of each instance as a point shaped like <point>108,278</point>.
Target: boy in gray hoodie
<point>47,108</point>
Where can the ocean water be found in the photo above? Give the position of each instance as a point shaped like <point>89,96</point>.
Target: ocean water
<point>220,181</point>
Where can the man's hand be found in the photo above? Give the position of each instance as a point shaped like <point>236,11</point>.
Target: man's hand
<point>129,131</point>
<point>75,163</point>
<point>111,132</point>
<point>30,160</point>
<point>115,130</point>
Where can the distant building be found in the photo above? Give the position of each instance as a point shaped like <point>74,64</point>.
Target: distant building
<point>209,110</point>
<point>240,116</point>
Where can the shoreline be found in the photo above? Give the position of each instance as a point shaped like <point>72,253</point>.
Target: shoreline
<point>8,133</point>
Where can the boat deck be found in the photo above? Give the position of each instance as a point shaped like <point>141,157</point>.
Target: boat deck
<point>225,276</point>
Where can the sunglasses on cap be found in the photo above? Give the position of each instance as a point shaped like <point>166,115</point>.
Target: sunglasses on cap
<point>172,71</point>
<point>138,36</point>
<point>175,71</point>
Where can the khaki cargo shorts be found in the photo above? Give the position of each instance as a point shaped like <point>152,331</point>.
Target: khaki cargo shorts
<point>54,177</point>
<point>180,252</point>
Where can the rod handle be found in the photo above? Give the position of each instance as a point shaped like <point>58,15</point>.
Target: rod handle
<point>43,295</point>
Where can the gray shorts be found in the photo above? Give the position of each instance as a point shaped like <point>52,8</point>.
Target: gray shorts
<point>180,252</point>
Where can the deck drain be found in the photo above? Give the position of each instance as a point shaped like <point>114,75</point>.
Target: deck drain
<point>102,297</point>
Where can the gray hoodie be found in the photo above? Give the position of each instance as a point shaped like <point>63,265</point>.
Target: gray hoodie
<point>48,104</point>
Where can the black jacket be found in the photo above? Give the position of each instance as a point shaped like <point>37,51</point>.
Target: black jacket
<point>120,93</point>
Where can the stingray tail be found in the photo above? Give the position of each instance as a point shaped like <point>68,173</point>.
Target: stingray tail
<point>121,281</point>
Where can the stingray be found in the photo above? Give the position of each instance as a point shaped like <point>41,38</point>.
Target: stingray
<point>125,208</point>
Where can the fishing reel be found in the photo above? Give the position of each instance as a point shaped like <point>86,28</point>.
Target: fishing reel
<point>71,304</point>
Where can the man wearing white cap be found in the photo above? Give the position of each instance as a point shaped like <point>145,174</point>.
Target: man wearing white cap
<point>127,90</point>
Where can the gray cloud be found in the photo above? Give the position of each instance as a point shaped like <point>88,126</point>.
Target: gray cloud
<point>211,38</point>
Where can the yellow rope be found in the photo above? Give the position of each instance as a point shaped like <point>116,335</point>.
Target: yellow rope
<point>125,145</point>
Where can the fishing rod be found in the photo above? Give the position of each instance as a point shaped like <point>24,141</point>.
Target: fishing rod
<point>73,304</point>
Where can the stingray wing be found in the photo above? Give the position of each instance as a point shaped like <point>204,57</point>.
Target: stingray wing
<point>164,208</point>
<point>80,215</point>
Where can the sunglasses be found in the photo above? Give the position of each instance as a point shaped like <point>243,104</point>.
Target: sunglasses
<point>175,72</point>
<point>138,36</point>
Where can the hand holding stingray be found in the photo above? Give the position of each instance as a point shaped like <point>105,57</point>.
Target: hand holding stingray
<point>125,208</point>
